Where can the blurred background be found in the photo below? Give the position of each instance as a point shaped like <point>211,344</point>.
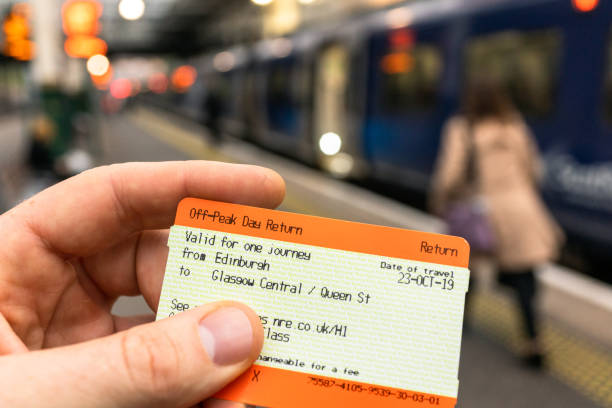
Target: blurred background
<point>348,100</point>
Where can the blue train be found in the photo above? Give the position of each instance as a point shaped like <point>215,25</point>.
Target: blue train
<point>368,97</point>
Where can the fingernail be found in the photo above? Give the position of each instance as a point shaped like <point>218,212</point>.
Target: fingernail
<point>227,335</point>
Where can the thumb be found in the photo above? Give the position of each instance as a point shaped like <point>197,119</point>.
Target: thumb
<point>174,362</point>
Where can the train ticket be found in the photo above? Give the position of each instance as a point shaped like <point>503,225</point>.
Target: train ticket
<point>353,314</point>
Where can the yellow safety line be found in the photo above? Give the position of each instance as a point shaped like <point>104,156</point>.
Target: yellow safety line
<point>575,361</point>
<point>194,146</point>
<point>175,136</point>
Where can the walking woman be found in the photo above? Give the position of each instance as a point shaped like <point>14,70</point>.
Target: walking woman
<point>488,159</point>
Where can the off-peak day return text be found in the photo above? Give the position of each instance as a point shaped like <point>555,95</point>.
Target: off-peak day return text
<point>245,221</point>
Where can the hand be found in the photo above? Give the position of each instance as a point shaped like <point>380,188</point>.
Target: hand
<point>69,252</point>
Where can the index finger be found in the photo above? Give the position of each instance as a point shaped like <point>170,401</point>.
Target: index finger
<point>99,208</point>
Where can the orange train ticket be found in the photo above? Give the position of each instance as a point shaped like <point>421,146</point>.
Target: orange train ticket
<point>353,314</point>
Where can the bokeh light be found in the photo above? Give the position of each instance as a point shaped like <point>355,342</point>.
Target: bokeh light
<point>330,143</point>
<point>585,5</point>
<point>281,47</point>
<point>84,46</point>
<point>183,78</point>
<point>341,165</point>
<point>121,88</point>
<point>397,63</point>
<point>399,18</point>
<point>224,61</point>
<point>262,2</point>
<point>98,65</point>
<point>131,9</point>
<point>102,82</point>
<point>80,17</point>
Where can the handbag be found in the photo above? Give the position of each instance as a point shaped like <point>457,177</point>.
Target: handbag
<point>468,217</point>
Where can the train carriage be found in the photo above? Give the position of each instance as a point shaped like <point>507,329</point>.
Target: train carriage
<point>369,97</point>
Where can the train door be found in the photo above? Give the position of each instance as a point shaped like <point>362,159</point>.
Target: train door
<point>329,113</point>
<point>256,105</point>
<point>408,101</point>
<point>250,112</point>
<point>233,124</point>
<point>282,108</point>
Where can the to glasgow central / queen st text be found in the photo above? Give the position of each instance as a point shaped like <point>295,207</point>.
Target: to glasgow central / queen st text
<point>289,287</point>
<point>245,221</point>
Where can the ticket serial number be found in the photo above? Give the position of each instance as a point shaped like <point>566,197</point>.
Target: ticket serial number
<point>374,390</point>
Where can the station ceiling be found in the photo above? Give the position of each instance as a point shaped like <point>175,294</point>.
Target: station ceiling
<point>175,26</point>
<point>188,26</point>
<point>193,26</point>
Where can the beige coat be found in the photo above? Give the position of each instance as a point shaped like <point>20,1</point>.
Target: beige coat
<point>506,169</point>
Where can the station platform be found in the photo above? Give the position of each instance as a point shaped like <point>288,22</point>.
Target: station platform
<point>578,342</point>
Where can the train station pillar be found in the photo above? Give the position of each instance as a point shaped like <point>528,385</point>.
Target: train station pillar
<point>57,84</point>
<point>48,39</point>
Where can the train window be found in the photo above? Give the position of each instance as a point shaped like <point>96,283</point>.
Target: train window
<point>525,63</point>
<point>280,84</point>
<point>410,78</point>
<point>608,85</point>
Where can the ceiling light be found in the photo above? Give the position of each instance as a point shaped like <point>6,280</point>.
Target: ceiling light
<point>262,2</point>
<point>131,9</point>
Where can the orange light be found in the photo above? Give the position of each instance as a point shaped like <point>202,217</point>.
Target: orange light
<point>397,63</point>
<point>84,46</point>
<point>183,78</point>
<point>158,83</point>
<point>121,88</point>
<point>16,30</point>
<point>80,17</point>
<point>15,27</point>
<point>585,5</point>
<point>22,50</point>
<point>101,81</point>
